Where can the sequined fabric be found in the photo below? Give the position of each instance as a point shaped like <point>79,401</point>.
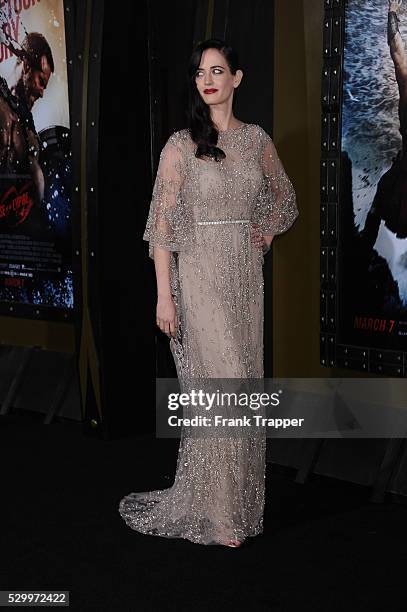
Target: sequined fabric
<point>201,211</point>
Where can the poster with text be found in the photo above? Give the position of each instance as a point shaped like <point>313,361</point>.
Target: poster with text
<point>372,245</point>
<point>35,156</point>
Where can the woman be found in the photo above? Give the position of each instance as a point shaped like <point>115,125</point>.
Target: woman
<point>220,196</point>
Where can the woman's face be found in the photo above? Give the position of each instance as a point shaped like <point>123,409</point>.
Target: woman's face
<point>213,78</point>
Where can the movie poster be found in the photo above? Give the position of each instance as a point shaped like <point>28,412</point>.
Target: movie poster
<point>373,192</point>
<point>35,156</point>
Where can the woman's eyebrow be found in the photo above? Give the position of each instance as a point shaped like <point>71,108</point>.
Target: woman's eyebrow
<point>212,67</point>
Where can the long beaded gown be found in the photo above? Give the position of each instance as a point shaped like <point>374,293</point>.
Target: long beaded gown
<point>201,211</point>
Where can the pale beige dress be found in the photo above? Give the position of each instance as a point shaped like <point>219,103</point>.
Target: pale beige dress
<point>201,211</point>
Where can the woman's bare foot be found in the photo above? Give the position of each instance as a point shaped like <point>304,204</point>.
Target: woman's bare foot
<point>234,543</point>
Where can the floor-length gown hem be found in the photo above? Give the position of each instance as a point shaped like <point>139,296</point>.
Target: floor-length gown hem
<point>131,508</point>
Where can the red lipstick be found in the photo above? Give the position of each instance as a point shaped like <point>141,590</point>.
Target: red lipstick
<point>209,91</point>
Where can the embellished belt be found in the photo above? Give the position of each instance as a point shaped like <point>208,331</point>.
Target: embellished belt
<point>222,222</point>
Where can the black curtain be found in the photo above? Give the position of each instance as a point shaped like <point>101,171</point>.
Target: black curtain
<point>127,280</point>
<point>142,101</point>
<point>174,29</point>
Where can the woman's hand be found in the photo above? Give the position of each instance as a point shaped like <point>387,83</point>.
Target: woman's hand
<point>257,237</point>
<point>167,315</point>
<point>395,5</point>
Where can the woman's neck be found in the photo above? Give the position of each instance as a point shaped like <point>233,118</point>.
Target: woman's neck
<point>224,120</point>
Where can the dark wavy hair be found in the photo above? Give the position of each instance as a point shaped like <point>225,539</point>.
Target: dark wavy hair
<point>201,126</point>
<point>35,46</point>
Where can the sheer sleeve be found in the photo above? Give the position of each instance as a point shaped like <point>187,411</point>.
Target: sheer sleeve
<point>169,223</point>
<point>276,207</point>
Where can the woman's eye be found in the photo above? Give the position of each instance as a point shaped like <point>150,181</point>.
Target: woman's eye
<point>215,71</point>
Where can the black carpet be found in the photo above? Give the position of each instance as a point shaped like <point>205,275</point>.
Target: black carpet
<point>325,547</point>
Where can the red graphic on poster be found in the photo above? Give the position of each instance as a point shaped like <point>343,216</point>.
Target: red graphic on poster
<point>16,206</point>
